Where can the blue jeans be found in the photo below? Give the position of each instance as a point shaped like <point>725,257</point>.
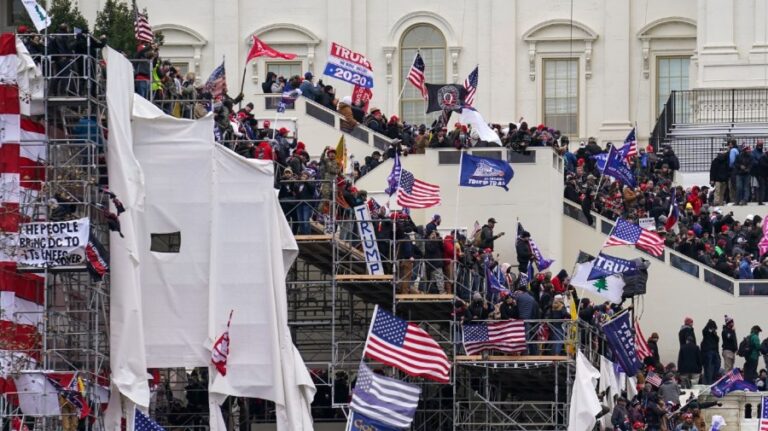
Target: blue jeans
<point>743,187</point>
<point>711,362</point>
<point>530,336</point>
<point>303,213</point>
<point>142,88</point>
<point>557,337</point>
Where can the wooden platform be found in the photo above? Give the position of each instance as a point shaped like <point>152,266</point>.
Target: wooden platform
<point>364,277</point>
<point>424,297</point>
<point>510,358</point>
<point>312,238</point>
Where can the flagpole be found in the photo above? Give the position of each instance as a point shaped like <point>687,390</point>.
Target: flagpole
<point>242,84</point>
<point>405,81</point>
<point>456,227</point>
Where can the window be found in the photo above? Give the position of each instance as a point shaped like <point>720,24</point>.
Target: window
<point>561,95</point>
<point>431,43</point>
<point>285,69</point>
<point>165,242</point>
<point>671,75</point>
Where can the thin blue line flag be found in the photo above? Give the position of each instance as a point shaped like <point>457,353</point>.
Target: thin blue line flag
<point>482,172</point>
<point>621,337</point>
<point>360,422</point>
<point>606,265</point>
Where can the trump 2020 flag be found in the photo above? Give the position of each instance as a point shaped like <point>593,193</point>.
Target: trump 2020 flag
<point>605,265</point>
<point>383,399</point>
<point>616,167</point>
<point>621,337</point>
<point>610,288</point>
<point>730,382</point>
<point>483,171</point>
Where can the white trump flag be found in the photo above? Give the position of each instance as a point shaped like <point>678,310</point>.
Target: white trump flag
<point>610,288</point>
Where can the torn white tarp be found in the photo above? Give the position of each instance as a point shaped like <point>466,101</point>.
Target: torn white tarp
<point>211,239</point>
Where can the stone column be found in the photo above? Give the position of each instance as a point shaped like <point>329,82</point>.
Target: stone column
<point>617,122</point>
<point>717,42</point>
<point>228,43</point>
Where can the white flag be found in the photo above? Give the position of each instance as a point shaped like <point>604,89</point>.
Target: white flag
<point>610,288</point>
<point>609,383</point>
<point>37,395</point>
<point>38,14</point>
<point>473,118</point>
<point>584,402</point>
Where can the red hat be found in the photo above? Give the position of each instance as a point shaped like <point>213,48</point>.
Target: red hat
<point>724,228</point>
<point>643,186</point>
<point>22,29</point>
<point>580,162</point>
<point>487,250</point>
<point>300,146</point>
<point>638,425</point>
<point>267,124</point>
<point>464,129</point>
<point>283,131</point>
<point>688,321</point>
<point>691,233</point>
<point>540,127</point>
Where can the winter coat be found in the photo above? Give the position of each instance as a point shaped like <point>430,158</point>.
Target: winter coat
<point>710,340</point>
<point>524,254</point>
<point>486,237</point>
<point>685,332</point>
<point>730,342</point>
<point>348,122</point>
<point>526,305</point>
<point>743,163</point>
<point>689,359</point>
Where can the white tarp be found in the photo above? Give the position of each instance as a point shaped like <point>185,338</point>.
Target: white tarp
<point>584,402</point>
<point>235,250</point>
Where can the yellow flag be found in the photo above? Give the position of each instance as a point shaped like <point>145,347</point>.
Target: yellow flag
<point>341,154</point>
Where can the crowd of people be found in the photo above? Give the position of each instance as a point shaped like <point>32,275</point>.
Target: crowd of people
<point>704,230</point>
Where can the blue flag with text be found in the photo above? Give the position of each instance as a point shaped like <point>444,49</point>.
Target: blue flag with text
<point>482,172</point>
<point>621,337</point>
<point>606,265</point>
<point>616,167</point>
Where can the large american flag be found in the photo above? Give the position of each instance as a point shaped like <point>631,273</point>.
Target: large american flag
<point>416,74</point>
<point>505,335</point>
<point>142,422</point>
<point>631,140</point>
<point>414,193</point>
<point>393,341</point>
<point>141,27</point>
<point>626,233</point>
<point>641,345</point>
<point>470,84</point>
<point>764,415</point>
<point>383,399</point>
<point>217,82</point>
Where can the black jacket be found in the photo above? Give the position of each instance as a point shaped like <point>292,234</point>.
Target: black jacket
<point>710,340</point>
<point>524,254</point>
<point>685,332</point>
<point>719,171</point>
<point>730,342</point>
<point>689,359</point>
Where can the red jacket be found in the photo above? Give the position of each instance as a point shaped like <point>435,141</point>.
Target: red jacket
<point>448,248</point>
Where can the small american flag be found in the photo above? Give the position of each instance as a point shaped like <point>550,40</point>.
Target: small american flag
<point>217,82</point>
<point>393,341</point>
<point>506,336</point>
<point>416,75</point>
<point>626,233</point>
<point>141,26</point>
<point>142,422</point>
<point>653,378</point>
<point>764,415</point>
<point>414,193</point>
<point>641,346</point>
<point>631,140</point>
<point>470,84</point>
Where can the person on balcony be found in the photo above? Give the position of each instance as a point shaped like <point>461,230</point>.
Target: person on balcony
<point>710,346</point>
<point>733,153</point>
<point>750,363</point>
<point>309,89</point>
<point>743,168</point>
<point>719,174</point>
<point>730,344</point>
<point>344,108</point>
<point>689,362</point>
<point>375,121</point>
<point>686,331</point>
<point>760,171</point>
<point>266,86</point>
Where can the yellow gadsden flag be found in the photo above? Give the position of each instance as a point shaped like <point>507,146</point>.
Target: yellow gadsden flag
<point>341,155</point>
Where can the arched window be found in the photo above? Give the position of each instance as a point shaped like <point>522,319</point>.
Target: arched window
<point>431,43</point>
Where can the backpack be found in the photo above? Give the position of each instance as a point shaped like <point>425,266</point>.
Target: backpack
<point>477,239</point>
<point>745,347</point>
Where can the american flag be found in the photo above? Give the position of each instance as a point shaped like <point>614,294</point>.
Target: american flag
<point>383,399</point>
<point>631,140</point>
<point>641,346</point>
<point>506,336</point>
<point>393,341</point>
<point>217,82</point>
<point>141,26</point>
<point>416,75</point>
<point>470,84</point>
<point>142,422</point>
<point>764,415</point>
<point>414,193</point>
<point>626,233</point>
<point>653,378</point>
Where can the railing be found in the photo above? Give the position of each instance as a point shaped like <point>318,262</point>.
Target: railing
<point>679,261</point>
<point>663,123</point>
<point>697,152</point>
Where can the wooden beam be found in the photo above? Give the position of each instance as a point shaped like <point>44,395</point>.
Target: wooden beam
<point>425,297</point>
<point>363,277</point>
<point>510,358</point>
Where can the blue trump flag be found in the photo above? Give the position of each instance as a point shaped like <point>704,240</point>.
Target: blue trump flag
<point>621,337</point>
<point>360,422</point>
<point>617,168</point>
<point>606,265</point>
<point>730,382</point>
<point>483,172</point>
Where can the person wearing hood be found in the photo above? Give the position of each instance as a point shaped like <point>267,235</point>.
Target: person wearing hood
<point>345,109</point>
<point>686,331</point>
<point>689,361</point>
<point>710,354</point>
<point>730,344</point>
<point>478,309</point>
